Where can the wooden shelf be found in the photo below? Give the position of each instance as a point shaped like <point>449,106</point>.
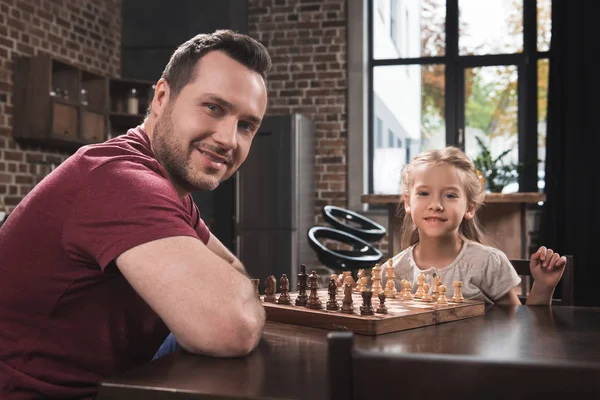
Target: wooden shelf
<point>58,105</point>
<point>528,198</point>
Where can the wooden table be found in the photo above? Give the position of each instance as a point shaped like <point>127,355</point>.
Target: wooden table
<point>504,217</point>
<point>291,361</point>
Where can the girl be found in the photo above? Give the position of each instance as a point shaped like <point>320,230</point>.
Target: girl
<point>441,236</point>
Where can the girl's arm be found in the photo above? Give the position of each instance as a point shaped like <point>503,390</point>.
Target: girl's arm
<point>509,298</point>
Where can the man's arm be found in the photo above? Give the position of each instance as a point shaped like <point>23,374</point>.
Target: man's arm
<point>209,306</point>
<point>217,247</point>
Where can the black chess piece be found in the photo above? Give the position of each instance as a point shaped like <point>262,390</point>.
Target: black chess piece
<point>366,308</point>
<point>332,303</point>
<point>382,309</point>
<point>313,301</point>
<point>284,284</point>
<point>347,307</point>
<point>302,297</point>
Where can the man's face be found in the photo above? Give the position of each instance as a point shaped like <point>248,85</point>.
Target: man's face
<point>203,136</point>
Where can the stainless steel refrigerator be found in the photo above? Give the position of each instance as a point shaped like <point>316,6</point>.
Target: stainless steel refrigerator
<point>275,199</point>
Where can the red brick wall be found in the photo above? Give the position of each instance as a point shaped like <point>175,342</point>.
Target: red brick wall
<point>86,33</point>
<point>307,42</point>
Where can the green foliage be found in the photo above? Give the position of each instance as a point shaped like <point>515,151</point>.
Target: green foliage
<point>497,173</point>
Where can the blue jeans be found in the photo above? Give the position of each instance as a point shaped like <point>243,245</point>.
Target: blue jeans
<point>168,346</point>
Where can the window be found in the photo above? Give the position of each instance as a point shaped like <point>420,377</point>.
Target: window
<point>391,137</point>
<point>462,78</point>
<point>381,9</point>
<point>379,133</point>
<point>394,24</point>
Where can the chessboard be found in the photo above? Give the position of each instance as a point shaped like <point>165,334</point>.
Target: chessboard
<point>401,315</point>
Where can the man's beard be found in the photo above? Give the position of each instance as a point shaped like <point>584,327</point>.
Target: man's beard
<point>176,160</point>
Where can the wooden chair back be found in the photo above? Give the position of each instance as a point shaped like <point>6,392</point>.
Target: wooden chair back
<point>370,374</point>
<point>566,284</point>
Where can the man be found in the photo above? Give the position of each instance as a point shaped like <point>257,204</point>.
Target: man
<point>108,254</point>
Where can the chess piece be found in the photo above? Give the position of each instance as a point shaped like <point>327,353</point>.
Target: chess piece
<point>347,301</point>
<point>390,273</point>
<point>359,276</point>
<point>349,280</point>
<point>382,309</point>
<point>403,289</point>
<point>376,279</point>
<point>442,298</point>
<point>270,289</point>
<point>302,277</point>
<point>435,289</point>
<point>284,285</point>
<point>390,289</point>
<point>458,296</point>
<point>335,279</point>
<point>408,292</point>
<point>366,308</point>
<point>313,302</point>
<point>362,285</point>
<point>256,282</point>
<point>426,296</point>
<point>332,303</point>
<point>420,282</point>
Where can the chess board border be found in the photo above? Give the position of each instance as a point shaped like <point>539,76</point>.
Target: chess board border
<point>372,325</point>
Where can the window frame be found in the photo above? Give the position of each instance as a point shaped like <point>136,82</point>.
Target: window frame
<point>455,66</point>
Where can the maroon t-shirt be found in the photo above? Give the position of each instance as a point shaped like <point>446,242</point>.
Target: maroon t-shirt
<point>68,318</point>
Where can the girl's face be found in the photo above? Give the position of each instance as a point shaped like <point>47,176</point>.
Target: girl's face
<point>437,201</point>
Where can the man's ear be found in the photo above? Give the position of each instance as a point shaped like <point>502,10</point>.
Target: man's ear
<point>406,200</point>
<point>162,93</point>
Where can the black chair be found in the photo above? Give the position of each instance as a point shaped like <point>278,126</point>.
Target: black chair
<point>362,255</point>
<point>566,285</point>
<point>369,374</point>
<point>354,224</point>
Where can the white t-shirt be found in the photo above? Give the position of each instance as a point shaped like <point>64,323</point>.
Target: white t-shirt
<point>486,272</point>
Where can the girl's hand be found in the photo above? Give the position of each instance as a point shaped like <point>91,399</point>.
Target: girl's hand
<point>547,267</point>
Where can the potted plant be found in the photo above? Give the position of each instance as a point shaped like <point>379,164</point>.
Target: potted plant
<point>496,173</point>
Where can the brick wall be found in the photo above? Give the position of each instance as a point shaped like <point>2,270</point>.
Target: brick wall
<point>307,43</point>
<point>86,33</point>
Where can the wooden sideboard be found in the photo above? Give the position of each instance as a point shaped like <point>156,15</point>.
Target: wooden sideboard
<point>503,216</point>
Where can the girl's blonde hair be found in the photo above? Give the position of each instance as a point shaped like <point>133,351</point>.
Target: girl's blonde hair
<point>470,229</point>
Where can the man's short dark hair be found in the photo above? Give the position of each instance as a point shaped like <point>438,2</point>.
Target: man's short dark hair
<point>181,68</point>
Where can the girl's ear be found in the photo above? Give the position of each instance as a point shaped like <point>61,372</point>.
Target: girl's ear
<point>470,212</point>
<point>405,198</point>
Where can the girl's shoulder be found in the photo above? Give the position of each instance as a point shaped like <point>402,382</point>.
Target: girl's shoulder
<point>478,254</point>
<point>402,260</point>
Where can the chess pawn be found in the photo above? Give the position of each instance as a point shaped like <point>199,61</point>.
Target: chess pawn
<point>313,302</point>
<point>347,301</point>
<point>403,289</point>
<point>366,308</point>
<point>363,284</point>
<point>256,282</point>
<point>458,296</point>
<point>426,296</point>
<point>408,293</point>
<point>390,289</point>
<point>360,274</point>
<point>442,297</point>
<point>270,289</point>
<point>335,279</point>
<point>332,303</point>
<point>420,282</point>
<point>382,309</point>
<point>284,297</point>
<point>349,280</point>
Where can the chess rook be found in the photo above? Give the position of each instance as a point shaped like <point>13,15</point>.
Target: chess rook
<point>458,296</point>
<point>366,308</point>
